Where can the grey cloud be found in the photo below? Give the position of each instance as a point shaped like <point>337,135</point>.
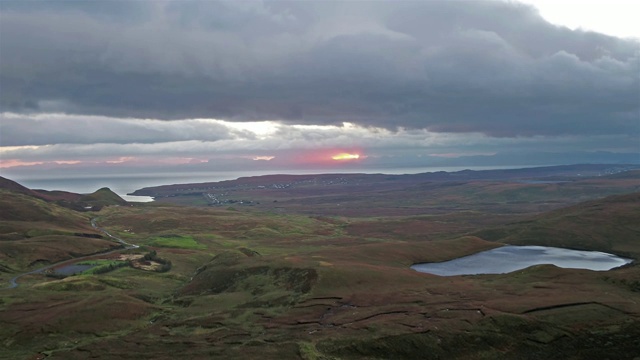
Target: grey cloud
<point>49,129</point>
<point>449,66</point>
<point>285,142</point>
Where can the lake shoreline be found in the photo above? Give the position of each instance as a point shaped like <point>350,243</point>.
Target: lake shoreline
<point>510,258</point>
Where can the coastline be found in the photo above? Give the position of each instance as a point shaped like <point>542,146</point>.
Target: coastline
<point>124,184</point>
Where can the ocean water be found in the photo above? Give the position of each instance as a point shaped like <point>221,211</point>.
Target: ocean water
<point>120,184</point>
<point>123,184</point>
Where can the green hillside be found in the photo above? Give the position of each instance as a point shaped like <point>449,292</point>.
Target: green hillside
<point>102,197</point>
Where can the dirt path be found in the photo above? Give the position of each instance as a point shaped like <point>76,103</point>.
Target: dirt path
<point>13,282</point>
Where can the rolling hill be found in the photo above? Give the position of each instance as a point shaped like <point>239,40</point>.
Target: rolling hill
<point>257,282</point>
<point>610,225</point>
<point>43,228</point>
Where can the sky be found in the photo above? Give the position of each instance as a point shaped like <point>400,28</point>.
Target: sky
<point>111,86</point>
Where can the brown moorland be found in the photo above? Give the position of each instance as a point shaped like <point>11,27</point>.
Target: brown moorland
<point>34,232</point>
<point>293,281</point>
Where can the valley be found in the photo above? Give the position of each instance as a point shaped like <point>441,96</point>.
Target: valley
<point>318,267</point>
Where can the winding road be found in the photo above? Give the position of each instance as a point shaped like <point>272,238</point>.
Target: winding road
<point>13,282</point>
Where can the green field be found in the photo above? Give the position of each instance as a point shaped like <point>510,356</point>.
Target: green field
<point>179,242</point>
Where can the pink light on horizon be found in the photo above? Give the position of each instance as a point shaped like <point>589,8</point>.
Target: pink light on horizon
<point>15,163</point>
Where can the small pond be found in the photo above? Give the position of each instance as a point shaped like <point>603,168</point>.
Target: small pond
<point>73,269</point>
<point>510,258</point>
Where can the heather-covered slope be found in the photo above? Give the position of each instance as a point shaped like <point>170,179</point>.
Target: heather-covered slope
<point>36,230</point>
<point>79,202</point>
<point>246,282</point>
<point>611,225</point>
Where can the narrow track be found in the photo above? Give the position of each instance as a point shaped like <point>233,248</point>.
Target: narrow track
<point>13,282</point>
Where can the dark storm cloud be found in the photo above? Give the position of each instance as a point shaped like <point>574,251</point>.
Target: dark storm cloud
<point>50,129</point>
<point>449,66</point>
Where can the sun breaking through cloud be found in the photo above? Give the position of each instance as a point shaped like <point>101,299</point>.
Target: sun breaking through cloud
<point>346,156</point>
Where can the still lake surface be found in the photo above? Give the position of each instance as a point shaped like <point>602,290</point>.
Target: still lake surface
<point>73,269</point>
<point>123,184</point>
<point>510,258</point>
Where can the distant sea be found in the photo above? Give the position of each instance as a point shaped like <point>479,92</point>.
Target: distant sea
<point>127,183</point>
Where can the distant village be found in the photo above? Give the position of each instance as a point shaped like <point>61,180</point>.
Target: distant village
<point>216,199</point>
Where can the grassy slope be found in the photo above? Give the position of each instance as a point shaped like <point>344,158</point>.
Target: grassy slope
<point>290,286</point>
<point>21,207</point>
<point>103,197</point>
<point>33,231</point>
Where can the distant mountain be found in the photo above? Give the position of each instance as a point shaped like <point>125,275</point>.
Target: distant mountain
<point>560,172</point>
<point>80,202</point>
<point>102,197</point>
<point>540,158</point>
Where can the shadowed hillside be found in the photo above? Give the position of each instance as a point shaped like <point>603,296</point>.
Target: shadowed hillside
<point>611,224</point>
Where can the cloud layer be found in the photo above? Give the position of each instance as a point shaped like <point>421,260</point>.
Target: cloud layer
<point>79,139</point>
<point>489,67</point>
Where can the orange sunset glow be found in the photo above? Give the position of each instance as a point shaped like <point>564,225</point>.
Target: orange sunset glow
<point>345,156</point>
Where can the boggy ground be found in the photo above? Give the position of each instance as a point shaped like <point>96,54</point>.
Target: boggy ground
<point>251,283</point>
